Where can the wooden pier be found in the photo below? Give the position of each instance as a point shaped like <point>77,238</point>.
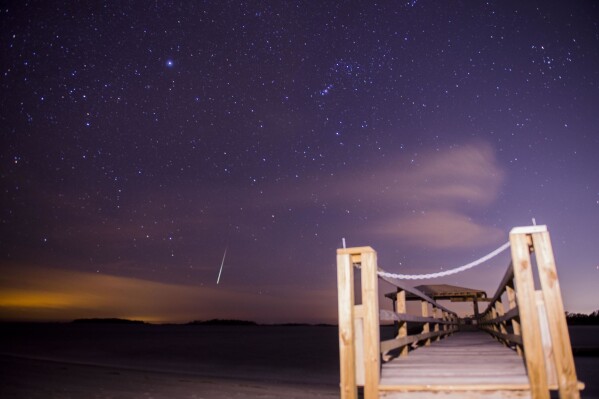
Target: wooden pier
<point>459,361</point>
<point>520,346</point>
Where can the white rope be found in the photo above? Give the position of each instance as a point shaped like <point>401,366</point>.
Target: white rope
<point>446,272</point>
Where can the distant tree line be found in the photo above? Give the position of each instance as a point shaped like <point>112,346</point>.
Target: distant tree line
<point>581,319</point>
<point>222,322</point>
<point>110,320</point>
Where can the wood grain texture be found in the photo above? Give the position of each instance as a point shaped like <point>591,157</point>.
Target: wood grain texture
<point>403,328</point>
<point>370,303</point>
<point>525,296</point>
<point>560,338</point>
<point>466,361</point>
<point>347,357</point>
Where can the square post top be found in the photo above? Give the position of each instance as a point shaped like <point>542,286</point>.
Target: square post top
<point>355,252</point>
<point>529,229</point>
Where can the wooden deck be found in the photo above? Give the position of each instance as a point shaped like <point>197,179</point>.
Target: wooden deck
<point>459,367</point>
<point>526,315</point>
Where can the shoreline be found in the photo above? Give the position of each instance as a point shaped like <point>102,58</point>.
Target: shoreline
<point>76,361</point>
<point>26,377</point>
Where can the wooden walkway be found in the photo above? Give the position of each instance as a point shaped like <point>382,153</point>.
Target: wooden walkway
<point>459,363</point>
<point>522,348</point>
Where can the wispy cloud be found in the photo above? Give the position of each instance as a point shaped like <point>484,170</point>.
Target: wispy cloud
<point>463,174</point>
<point>435,199</point>
<point>428,200</point>
<point>439,229</point>
<point>466,174</point>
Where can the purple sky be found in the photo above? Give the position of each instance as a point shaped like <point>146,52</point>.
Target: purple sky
<point>141,140</point>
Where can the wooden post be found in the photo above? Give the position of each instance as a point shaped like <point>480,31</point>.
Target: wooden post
<point>445,326</point>
<point>444,319</point>
<point>560,339</point>
<point>403,326</point>
<point>426,327</point>
<point>347,356</point>
<point>370,302</point>
<point>396,323</point>
<point>436,327</point>
<point>494,325</point>
<point>525,295</point>
<point>500,312</point>
<point>511,295</point>
<point>546,340</point>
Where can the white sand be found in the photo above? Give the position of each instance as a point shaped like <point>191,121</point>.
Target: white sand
<point>31,378</point>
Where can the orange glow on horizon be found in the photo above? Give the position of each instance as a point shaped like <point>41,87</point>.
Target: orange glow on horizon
<point>25,299</point>
<point>45,294</point>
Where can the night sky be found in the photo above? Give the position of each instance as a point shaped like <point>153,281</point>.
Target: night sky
<point>140,140</point>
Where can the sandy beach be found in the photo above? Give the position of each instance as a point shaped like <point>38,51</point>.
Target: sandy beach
<point>33,378</point>
<point>213,362</point>
<point>150,361</point>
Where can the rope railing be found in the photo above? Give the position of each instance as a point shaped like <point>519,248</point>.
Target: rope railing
<point>444,273</point>
<point>538,330</point>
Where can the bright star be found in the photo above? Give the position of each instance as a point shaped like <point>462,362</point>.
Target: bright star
<point>170,63</point>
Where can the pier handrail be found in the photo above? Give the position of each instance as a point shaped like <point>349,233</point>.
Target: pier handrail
<point>534,313</point>
<point>537,330</point>
<point>443,320</point>
<point>495,317</point>
<point>360,346</point>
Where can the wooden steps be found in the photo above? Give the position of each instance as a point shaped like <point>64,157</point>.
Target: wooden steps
<point>464,365</point>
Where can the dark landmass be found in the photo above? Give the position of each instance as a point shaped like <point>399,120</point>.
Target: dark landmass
<point>581,319</point>
<point>107,321</point>
<point>585,351</point>
<point>222,322</point>
<point>233,322</point>
<point>299,325</point>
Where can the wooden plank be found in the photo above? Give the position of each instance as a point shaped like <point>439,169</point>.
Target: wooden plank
<point>533,351</point>
<point>493,394</point>
<point>345,293</point>
<point>480,380</point>
<point>359,350</point>
<point>370,302</point>
<point>358,311</point>
<point>395,343</point>
<point>564,360</point>
<point>389,315</point>
<point>450,367</point>
<point>359,343</point>
<point>458,388</point>
<point>470,360</point>
<point>546,340</point>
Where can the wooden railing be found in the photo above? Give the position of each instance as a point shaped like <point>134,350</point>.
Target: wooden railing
<point>528,315</point>
<point>360,346</point>
<point>538,324</point>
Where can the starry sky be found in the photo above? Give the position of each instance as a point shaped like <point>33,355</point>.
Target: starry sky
<point>140,140</point>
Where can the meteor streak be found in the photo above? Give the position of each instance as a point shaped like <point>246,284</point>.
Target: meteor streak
<point>221,266</point>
